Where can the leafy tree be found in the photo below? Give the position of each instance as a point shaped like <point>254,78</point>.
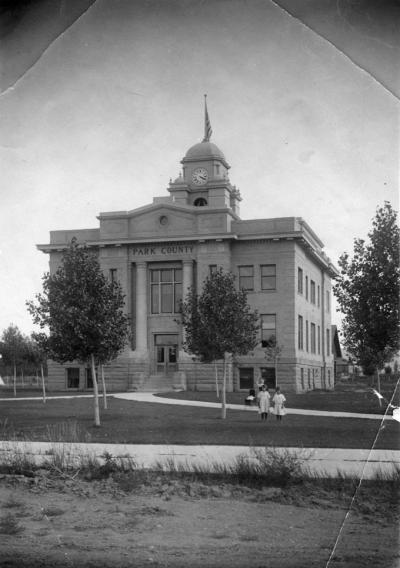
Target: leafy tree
<point>83,312</point>
<point>218,323</point>
<point>13,349</point>
<point>273,353</point>
<point>367,291</point>
<point>35,356</point>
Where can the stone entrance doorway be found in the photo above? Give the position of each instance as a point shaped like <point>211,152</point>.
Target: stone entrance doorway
<point>166,354</point>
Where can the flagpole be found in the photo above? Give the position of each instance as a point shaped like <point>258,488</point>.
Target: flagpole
<point>207,123</point>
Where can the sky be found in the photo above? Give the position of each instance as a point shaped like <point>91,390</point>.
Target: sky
<point>100,100</point>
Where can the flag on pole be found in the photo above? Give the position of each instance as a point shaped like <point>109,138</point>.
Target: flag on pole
<point>207,123</point>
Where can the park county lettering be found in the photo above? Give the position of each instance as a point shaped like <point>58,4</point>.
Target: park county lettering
<point>162,250</point>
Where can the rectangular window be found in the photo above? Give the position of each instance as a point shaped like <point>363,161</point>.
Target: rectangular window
<point>328,342</point>
<point>212,269</point>
<point>300,280</point>
<point>88,379</point>
<point>73,378</point>
<point>302,378</point>
<point>312,330</point>
<point>319,296</point>
<point>246,277</point>
<point>268,276</point>
<point>309,378</point>
<point>306,287</point>
<point>312,292</point>
<point>165,290</point>
<point>306,335</point>
<point>268,329</point>
<point>246,378</point>
<point>328,302</point>
<point>319,340</point>
<point>300,332</point>
<point>113,274</point>
<point>268,376</point>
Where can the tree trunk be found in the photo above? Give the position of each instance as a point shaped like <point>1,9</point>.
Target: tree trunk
<point>223,405</point>
<point>15,380</point>
<point>95,393</point>
<point>43,385</point>
<point>22,378</point>
<point>379,386</point>
<point>216,378</point>
<point>103,385</point>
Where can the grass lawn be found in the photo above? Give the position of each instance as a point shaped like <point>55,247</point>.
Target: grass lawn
<point>152,423</point>
<point>347,397</point>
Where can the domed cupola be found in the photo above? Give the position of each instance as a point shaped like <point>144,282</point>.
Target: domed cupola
<point>205,178</point>
<point>205,150</point>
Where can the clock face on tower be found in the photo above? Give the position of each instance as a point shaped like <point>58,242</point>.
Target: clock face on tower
<point>200,176</point>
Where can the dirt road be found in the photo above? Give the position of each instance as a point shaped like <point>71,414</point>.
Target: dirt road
<point>122,523</point>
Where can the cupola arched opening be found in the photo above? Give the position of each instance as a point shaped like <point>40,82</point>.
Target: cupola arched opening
<point>200,202</point>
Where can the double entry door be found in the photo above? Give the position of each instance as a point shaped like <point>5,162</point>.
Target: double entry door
<point>166,354</point>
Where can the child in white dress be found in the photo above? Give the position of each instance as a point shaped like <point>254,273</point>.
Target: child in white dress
<point>279,404</point>
<point>263,399</point>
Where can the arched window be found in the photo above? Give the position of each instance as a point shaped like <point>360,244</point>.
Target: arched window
<point>200,202</point>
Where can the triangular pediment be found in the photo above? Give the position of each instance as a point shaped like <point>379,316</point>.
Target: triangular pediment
<point>159,220</point>
<point>162,220</point>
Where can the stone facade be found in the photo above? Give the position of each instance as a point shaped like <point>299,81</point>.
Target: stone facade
<point>158,251</point>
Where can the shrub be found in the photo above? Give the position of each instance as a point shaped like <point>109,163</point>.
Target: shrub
<point>269,466</point>
<point>18,462</point>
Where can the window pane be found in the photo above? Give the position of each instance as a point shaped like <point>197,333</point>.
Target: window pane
<point>268,283</point>
<point>166,298</point>
<point>268,270</point>
<point>178,296</point>
<point>268,277</point>
<point>268,321</point>
<point>73,378</point>
<point>89,379</point>
<point>312,292</point>
<point>246,270</point>
<point>160,354</point>
<point>268,329</point>
<point>178,275</point>
<point>246,283</point>
<point>155,275</point>
<point>166,275</point>
<point>313,338</point>
<point>172,357</point>
<point>268,376</point>
<point>246,378</point>
<point>246,280</point>
<point>300,332</point>
<point>300,280</point>
<point>155,302</point>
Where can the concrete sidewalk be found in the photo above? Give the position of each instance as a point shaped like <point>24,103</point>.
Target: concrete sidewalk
<point>327,462</point>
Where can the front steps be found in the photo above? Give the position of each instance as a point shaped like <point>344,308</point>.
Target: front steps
<point>158,383</point>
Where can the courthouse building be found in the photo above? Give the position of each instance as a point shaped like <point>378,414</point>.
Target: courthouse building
<point>158,251</point>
